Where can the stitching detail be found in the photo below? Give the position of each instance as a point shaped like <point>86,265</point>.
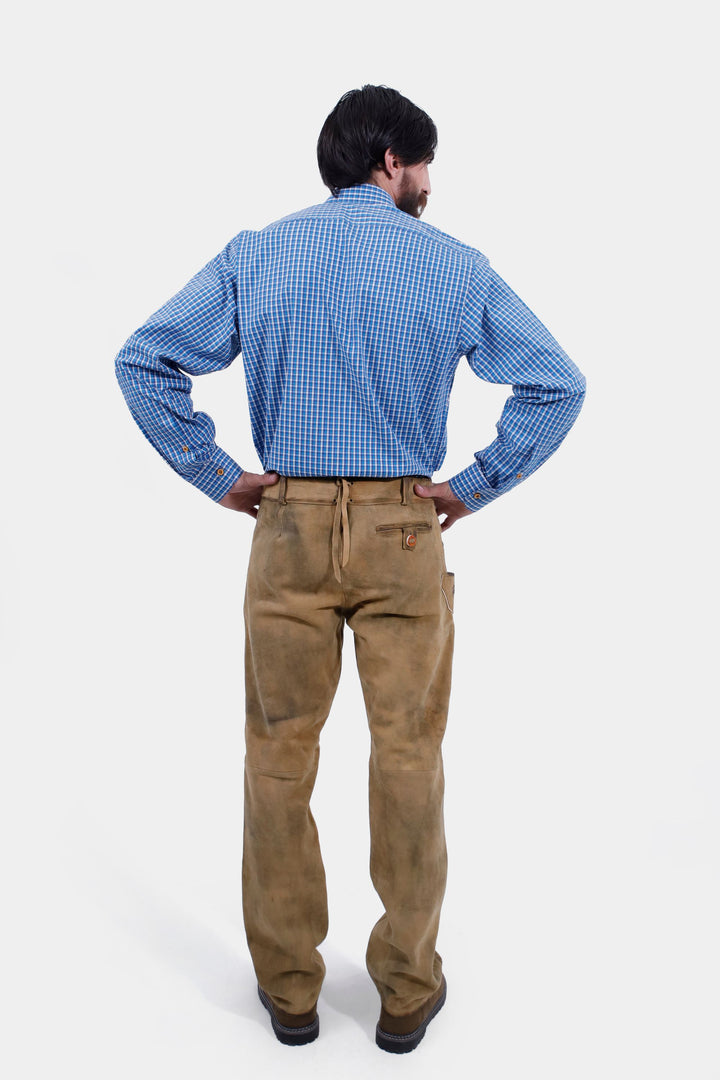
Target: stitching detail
<point>401,1038</point>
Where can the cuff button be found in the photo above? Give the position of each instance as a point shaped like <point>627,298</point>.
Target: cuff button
<point>477,495</point>
<point>220,471</point>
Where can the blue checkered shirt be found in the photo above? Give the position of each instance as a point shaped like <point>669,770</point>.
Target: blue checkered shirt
<point>351,316</point>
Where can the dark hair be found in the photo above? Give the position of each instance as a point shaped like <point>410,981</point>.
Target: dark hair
<point>362,126</point>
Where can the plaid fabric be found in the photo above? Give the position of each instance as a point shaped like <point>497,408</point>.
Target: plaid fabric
<point>351,317</point>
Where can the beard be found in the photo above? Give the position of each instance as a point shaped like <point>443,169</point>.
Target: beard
<point>411,199</point>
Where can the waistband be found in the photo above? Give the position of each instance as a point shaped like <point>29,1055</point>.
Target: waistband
<point>329,489</point>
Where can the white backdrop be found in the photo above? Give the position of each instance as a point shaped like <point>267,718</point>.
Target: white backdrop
<point>580,932</point>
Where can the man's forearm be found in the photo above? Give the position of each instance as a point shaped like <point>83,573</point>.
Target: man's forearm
<point>505,342</point>
<point>158,397</point>
<point>509,460</point>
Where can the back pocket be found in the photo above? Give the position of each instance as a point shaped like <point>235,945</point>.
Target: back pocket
<point>406,530</point>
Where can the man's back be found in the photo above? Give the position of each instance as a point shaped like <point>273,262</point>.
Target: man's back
<point>351,316</point>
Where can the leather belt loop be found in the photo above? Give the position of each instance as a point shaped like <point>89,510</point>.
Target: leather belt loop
<point>283,490</point>
<point>405,490</point>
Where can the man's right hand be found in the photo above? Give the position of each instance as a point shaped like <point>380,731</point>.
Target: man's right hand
<point>445,501</point>
<point>246,492</point>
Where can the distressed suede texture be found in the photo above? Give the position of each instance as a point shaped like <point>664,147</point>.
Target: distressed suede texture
<point>369,553</point>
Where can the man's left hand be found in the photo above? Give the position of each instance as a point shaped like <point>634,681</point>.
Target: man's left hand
<point>246,492</point>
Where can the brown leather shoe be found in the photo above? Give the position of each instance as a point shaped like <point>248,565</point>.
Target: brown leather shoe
<point>293,1029</point>
<point>400,1034</point>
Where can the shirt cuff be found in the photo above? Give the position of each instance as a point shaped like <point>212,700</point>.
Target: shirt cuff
<point>216,476</point>
<point>471,487</point>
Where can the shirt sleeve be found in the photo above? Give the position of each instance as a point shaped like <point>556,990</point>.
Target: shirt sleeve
<point>505,342</point>
<point>194,333</point>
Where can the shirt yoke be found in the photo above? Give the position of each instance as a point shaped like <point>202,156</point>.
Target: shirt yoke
<point>372,213</point>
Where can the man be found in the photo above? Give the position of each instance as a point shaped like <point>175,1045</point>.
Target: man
<point>351,316</point>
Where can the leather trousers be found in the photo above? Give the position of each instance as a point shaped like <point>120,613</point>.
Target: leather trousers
<point>327,551</point>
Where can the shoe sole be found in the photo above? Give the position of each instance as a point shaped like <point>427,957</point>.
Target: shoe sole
<point>403,1044</point>
<point>291,1036</point>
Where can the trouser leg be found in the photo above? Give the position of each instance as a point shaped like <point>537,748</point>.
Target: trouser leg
<point>293,647</point>
<point>404,641</point>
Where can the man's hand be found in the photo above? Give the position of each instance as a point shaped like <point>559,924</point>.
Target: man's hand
<point>445,502</point>
<point>247,490</point>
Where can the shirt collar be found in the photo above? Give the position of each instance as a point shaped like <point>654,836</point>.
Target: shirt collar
<point>364,193</point>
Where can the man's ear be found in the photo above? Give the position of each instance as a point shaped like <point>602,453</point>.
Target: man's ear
<point>392,164</point>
